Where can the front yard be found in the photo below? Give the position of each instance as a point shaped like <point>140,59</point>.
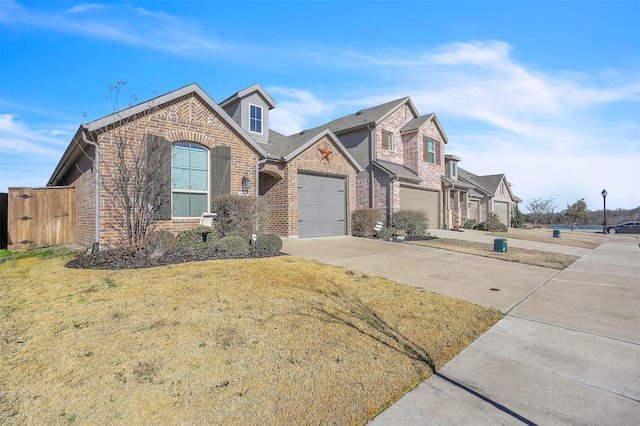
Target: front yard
<point>277,340</point>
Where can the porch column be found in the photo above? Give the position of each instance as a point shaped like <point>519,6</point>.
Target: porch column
<point>465,207</point>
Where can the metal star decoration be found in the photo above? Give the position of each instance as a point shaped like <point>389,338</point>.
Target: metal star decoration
<point>325,154</point>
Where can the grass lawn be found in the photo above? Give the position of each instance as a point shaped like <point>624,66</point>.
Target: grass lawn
<point>545,259</point>
<point>581,239</point>
<point>264,341</point>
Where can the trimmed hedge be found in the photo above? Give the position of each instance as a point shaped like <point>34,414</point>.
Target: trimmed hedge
<point>233,245</point>
<point>268,244</point>
<point>493,224</point>
<point>158,241</point>
<point>363,221</point>
<point>470,224</point>
<point>200,237</point>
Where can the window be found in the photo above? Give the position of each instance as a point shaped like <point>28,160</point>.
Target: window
<point>255,120</point>
<point>189,179</point>
<point>390,141</point>
<point>453,168</point>
<point>429,154</point>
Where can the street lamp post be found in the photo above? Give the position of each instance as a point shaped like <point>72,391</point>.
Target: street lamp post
<point>604,200</point>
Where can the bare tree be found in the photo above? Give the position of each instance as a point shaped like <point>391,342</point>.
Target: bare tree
<point>135,190</point>
<point>540,206</point>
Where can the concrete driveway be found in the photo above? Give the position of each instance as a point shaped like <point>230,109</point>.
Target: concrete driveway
<point>568,352</point>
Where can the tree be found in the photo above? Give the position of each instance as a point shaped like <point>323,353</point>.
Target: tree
<point>540,206</point>
<point>577,211</point>
<point>517,218</point>
<point>137,188</point>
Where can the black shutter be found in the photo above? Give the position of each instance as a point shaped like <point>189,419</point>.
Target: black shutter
<point>385,139</point>
<point>159,176</point>
<point>437,148</point>
<point>220,171</point>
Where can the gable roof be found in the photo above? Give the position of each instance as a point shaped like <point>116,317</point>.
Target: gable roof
<point>77,146</point>
<point>249,90</point>
<point>419,122</point>
<point>365,117</point>
<point>397,170</point>
<point>485,185</point>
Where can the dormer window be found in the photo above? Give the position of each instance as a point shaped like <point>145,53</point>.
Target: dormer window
<point>255,119</point>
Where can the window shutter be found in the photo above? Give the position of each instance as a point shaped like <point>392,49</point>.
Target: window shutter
<point>425,149</point>
<point>437,146</point>
<point>220,171</point>
<point>385,139</point>
<point>158,172</point>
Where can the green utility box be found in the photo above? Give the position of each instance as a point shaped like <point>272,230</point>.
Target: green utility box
<point>556,233</point>
<point>500,244</point>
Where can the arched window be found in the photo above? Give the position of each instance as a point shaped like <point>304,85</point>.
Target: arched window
<point>189,179</point>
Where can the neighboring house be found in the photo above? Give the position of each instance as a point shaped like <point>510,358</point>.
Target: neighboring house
<point>490,193</point>
<point>402,154</point>
<point>208,149</point>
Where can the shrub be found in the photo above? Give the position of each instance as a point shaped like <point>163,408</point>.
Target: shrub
<point>386,234</point>
<point>413,222</point>
<point>238,213</point>
<point>156,241</point>
<point>470,224</point>
<point>492,224</point>
<point>517,218</point>
<point>363,221</point>
<point>239,233</point>
<point>199,237</point>
<point>233,245</point>
<point>268,244</point>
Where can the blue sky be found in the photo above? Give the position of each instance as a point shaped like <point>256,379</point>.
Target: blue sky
<point>547,92</point>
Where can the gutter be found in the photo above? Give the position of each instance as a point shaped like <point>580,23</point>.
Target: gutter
<point>96,161</point>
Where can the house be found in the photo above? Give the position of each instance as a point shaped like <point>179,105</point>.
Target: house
<point>489,194</point>
<point>201,149</point>
<point>402,154</point>
<point>386,157</point>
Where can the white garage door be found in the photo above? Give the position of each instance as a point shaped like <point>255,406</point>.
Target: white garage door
<point>502,210</point>
<point>422,199</point>
<point>322,205</point>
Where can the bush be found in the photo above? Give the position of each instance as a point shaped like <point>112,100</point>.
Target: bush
<point>363,221</point>
<point>238,213</point>
<point>413,222</point>
<point>492,224</point>
<point>386,234</point>
<point>199,237</point>
<point>156,241</point>
<point>470,224</point>
<point>233,245</point>
<point>517,218</point>
<point>239,233</point>
<point>268,244</point>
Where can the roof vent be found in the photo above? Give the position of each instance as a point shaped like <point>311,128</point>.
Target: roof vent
<point>360,112</point>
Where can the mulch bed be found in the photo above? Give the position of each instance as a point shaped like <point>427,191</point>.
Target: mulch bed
<point>117,259</point>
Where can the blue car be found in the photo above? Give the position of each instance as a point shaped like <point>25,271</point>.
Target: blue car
<point>624,228</point>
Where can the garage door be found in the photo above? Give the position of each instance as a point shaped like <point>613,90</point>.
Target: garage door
<point>421,199</point>
<point>502,210</point>
<point>322,205</point>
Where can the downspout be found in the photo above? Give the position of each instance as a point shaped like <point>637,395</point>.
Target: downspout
<point>96,245</point>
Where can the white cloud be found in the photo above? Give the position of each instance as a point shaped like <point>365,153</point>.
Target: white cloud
<point>18,138</point>
<point>85,7</point>
<point>296,109</point>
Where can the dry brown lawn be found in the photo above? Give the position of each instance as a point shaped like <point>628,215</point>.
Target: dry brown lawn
<point>545,259</point>
<point>580,239</point>
<point>266,341</point>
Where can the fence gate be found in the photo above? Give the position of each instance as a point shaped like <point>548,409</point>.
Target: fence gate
<point>40,217</point>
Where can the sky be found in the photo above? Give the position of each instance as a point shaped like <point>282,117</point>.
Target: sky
<point>546,92</point>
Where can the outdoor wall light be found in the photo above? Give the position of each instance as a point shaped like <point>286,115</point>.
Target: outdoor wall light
<point>246,184</point>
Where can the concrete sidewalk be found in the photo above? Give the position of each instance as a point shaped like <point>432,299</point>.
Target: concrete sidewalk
<point>567,354</point>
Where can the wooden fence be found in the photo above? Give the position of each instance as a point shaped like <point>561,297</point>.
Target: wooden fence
<point>40,217</point>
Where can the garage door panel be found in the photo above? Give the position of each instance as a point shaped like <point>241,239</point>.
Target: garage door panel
<point>321,205</point>
<point>502,210</point>
<point>420,199</point>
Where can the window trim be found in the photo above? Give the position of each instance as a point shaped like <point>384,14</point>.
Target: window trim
<point>207,192</point>
<point>433,144</point>
<point>454,169</point>
<point>256,120</point>
<point>390,141</point>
